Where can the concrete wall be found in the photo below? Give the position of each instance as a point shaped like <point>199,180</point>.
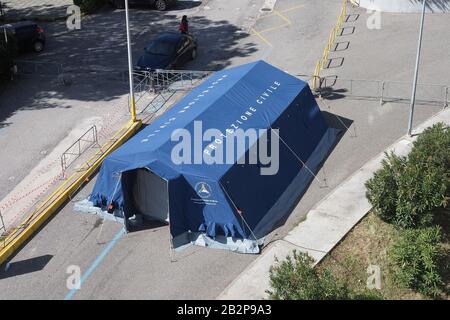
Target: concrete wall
<point>405,6</point>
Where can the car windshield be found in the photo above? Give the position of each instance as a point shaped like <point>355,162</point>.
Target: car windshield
<point>161,48</point>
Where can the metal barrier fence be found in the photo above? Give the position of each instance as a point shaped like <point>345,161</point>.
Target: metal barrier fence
<point>67,74</point>
<point>144,81</point>
<point>331,40</point>
<point>42,210</point>
<point>2,229</point>
<point>164,84</point>
<point>159,101</point>
<point>169,79</point>
<point>25,67</point>
<point>384,91</point>
<point>87,140</point>
<point>103,75</point>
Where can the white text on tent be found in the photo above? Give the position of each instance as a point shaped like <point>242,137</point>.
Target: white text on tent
<point>250,146</point>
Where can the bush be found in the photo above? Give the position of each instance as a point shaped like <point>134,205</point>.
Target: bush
<point>420,191</point>
<point>405,191</point>
<point>89,6</point>
<point>367,294</point>
<point>296,279</point>
<point>417,258</point>
<point>432,147</point>
<point>383,186</point>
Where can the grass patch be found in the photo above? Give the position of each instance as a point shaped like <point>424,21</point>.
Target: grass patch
<point>368,244</point>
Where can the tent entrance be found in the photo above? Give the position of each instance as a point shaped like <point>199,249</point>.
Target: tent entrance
<point>149,195</point>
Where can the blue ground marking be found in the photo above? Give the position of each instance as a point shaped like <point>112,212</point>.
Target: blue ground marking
<point>96,262</point>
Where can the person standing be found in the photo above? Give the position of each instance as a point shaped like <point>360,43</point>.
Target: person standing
<point>184,25</point>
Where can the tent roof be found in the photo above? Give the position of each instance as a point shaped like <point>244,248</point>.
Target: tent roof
<point>219,102</point>
<point>234,199</point>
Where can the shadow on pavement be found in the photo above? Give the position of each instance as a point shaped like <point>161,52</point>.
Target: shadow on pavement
<point>39,12</point>
<point>334,121</point>
<point>443,5</point>
<point>25,266</point>
<point>180,5</point>
<point>91,55</point>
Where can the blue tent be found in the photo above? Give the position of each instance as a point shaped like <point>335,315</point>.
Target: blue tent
<point>228,204</point>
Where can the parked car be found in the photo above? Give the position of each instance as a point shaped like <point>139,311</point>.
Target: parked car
<point>160,5</point>
<point>27,35</point>
<point>167,51</point>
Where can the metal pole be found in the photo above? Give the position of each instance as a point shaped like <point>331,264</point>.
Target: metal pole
<point>446,97</point>
<point>3,223</point>
<point>130,66</point>
<point>416,74</point>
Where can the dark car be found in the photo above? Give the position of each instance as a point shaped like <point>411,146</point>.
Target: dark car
<point>160,5</point>
<point>167,51</point>
<point>28,36</point>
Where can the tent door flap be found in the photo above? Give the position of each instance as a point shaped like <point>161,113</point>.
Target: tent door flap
<point>150,194</point>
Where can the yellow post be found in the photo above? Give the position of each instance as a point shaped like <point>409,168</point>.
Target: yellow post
<point>130,66</point>
<point>330,40</point>
<point>133,109</point>
<point>316,74</point>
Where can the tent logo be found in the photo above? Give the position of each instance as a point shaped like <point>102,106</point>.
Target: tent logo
<point>203,190</point>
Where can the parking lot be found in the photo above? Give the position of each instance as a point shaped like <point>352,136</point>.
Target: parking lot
<point>141,265</point>
<point>91,59</point>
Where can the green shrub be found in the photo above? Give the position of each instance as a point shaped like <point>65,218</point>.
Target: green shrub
<point>405,191</point>
<point>417,259</point>
<point>89,6</point>
<point>367,294</point>
<point>420,191</point>
<point>432,147</point>
<point>383,186</point>
<point>296,279</point>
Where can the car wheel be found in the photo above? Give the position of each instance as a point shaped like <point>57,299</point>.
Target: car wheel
<point>194,54</point>
<point>161,5</point>
<point>38,46</point>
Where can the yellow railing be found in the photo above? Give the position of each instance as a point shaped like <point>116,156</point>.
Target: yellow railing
<point>331,41</point>
<point>42,212</point>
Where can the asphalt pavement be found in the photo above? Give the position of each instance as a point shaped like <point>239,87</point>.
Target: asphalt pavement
<point>140,265</point>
